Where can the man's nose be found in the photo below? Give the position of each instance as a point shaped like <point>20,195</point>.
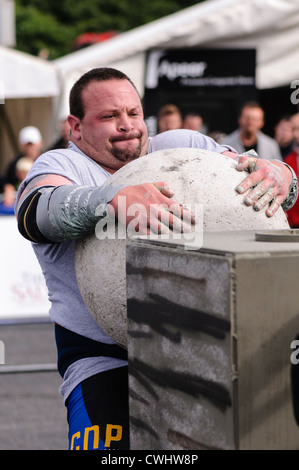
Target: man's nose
<point>125,123</point>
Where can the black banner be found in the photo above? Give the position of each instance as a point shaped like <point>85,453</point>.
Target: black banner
<point>212,82</point>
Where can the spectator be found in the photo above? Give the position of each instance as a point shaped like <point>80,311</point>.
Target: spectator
<point>7,205</point>
<point>169,118</point>
<point>249,135</point>
<point>283,135</point>
<point>22,167</point>
<point>30,145</point>
<point>292,160</point>
<point>64,135</point>
<point>193,121</point>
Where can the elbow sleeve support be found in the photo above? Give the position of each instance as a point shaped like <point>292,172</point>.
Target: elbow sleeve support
<point>53,214</point>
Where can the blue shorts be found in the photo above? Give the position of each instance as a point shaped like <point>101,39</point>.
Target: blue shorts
<point>98,412</point>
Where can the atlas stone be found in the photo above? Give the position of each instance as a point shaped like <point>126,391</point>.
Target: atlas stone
<point>201,180</point>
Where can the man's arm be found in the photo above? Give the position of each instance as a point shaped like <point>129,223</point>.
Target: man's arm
<point>52,209</point>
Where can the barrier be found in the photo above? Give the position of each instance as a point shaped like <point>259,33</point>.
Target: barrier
<point>23,290</point>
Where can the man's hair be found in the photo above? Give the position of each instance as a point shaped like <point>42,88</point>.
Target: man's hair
<point>251,104</point>
<point>168,109</point>
<point>98,75</point>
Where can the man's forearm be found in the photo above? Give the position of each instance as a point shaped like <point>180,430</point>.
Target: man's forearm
<point>55,214</point>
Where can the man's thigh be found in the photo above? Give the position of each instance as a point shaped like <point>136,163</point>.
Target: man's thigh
<point>98,412</point>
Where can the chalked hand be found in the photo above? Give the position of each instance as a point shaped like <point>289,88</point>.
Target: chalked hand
<point>268,183</point>
<point>150,209</point>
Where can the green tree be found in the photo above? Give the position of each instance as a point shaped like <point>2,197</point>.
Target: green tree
<point>54,25</point>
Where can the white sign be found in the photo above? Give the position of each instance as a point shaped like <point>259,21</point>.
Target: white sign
<point>23,291</point>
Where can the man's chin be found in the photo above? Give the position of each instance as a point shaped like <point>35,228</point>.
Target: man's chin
<point>126,156</point>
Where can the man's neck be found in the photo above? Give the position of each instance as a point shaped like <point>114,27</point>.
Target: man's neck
<point>74,146</point>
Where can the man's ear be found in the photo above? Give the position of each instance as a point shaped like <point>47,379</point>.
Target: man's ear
<point>74,124</point>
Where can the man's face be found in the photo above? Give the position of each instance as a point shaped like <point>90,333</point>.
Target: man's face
<point>170,122</point>
<point>31,150</point>
<point>283,132</point>
<point>192,122</point>
<point>112,131</point>
<point>251,120</point>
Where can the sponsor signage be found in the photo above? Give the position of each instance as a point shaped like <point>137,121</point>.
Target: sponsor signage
<point>22,287</point>
<point>202,80</point>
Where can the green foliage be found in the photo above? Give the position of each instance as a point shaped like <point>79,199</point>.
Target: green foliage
<point>54,25</point>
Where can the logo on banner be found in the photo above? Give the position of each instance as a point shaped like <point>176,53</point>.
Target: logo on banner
<point>171,70</point>
<point>295,93</point>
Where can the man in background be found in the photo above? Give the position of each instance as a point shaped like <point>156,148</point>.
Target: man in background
<point>283,134</point>
<point>249,135</point>
<point>169,118</point>
<point>193,121</point>
<point>30,144</point>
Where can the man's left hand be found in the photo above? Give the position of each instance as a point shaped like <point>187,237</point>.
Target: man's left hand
<point>268,183</point>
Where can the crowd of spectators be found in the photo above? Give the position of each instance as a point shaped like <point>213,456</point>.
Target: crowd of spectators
<point>31,145</point>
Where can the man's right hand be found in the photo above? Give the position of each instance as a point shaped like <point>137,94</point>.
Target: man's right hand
<point>148,208</point>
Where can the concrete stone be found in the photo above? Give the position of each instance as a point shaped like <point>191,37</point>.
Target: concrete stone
<point>199,179</point>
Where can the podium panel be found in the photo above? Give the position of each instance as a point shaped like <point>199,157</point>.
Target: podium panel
<point>209,343</point>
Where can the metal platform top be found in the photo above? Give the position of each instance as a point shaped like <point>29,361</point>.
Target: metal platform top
<point>238,242</point>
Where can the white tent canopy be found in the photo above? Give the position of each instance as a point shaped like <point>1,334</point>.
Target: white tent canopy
<point>269,26</point>
<point>26,76</point>
<point>27,87</point>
